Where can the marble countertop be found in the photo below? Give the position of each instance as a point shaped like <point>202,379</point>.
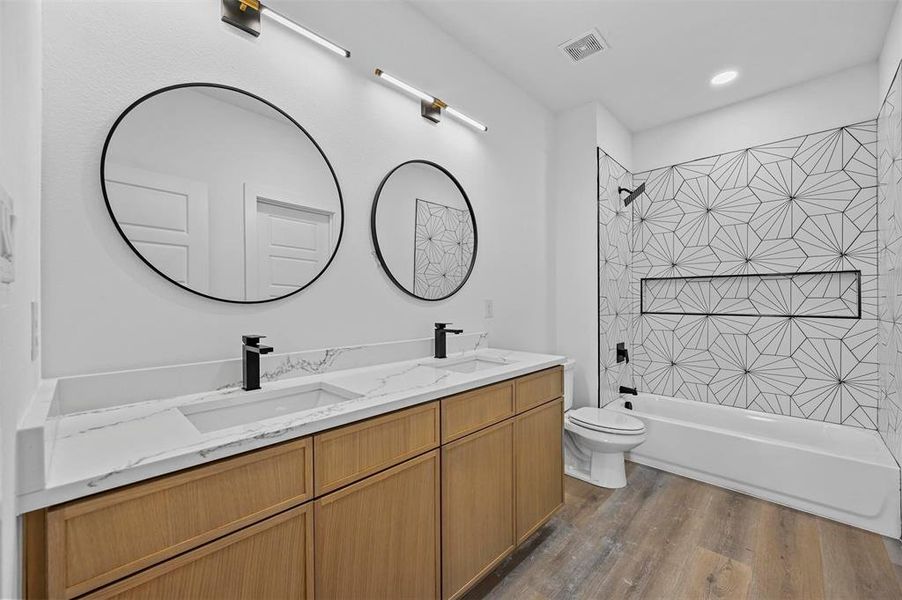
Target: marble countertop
<point>104,448</point>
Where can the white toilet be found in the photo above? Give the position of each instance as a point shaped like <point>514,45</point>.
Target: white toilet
<point>596,438</point>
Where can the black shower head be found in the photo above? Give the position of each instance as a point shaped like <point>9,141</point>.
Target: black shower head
<point>633,194</point>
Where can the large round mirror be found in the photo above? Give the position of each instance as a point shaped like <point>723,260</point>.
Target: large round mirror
<point>424,230</point>
<point>222,193</point>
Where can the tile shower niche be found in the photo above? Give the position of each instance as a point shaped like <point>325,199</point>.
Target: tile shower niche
<point>828,294</point>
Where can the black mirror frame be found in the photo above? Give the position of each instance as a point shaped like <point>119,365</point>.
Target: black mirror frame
<point>109,207</point>
<point>376,237</point>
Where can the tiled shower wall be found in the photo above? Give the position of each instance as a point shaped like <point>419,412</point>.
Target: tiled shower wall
<point>889,211</point>
<point>614,298</point>
<point>804,204</point>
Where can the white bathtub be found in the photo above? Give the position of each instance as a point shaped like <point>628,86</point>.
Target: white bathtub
<point>842,473</point>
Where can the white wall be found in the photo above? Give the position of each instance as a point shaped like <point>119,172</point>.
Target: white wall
<point>20,167</point>
<point>573,225</point>
<point>612,137</point>
<point>100,300</point>
<point>890,55</point>
<point>840,99</point>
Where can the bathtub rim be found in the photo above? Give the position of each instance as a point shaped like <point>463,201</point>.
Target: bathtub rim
<point>885,459</point>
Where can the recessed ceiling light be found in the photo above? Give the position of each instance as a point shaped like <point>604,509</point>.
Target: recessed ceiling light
<point>724,77</point>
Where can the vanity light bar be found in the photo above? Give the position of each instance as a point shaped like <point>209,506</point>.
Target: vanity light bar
<point>432,107</point>
<point>307,33</point>
<point>405,86</point>
<point>245,15</point>
<point>468,120</point>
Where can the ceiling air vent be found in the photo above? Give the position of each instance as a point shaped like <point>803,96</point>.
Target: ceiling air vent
<point>584,46</point>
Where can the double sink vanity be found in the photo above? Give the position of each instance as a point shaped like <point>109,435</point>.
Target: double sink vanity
<point>409,479</point>
<point>352,472</point>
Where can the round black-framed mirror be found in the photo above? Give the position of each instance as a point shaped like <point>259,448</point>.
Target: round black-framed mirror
<point>222,193</point>
<point>433,259</point>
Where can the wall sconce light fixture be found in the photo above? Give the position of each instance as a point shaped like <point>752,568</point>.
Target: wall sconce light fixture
<point>430,107</point>
<point>245,15</point>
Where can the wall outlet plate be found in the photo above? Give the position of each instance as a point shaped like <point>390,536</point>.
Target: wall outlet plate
<point>489,309</point>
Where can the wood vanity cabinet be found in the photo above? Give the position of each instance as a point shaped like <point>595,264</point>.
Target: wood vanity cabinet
<point>379,538</point>
<point>539,466</point>
<point>501,483</point>
<point>419,503</point>
<point>477,506</point>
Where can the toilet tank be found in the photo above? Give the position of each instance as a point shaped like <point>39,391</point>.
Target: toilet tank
<point>568,384</point>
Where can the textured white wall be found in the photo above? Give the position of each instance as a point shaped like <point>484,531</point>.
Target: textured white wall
<point>839,99</point>
<point>105,310</point>
<point>20,168</point>
<point>612,137</point>
<point>572,226</point>
<point>573,218</point>
<point>890,55</point>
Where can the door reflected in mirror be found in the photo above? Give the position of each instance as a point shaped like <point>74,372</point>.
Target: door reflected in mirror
<point>222,193</point>
<point>424,230</point>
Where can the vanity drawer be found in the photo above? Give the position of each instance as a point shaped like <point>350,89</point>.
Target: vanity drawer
<point>272,559</point>
<point>538,388</point>
<point>471,411</point>
<point>97,540</point>
<point>347,454</point>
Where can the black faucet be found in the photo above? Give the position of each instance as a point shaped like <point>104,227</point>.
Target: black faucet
<point>441,335</point>
<point>250,360</point>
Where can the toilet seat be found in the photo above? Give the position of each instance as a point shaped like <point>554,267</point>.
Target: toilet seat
<point>606,421</point>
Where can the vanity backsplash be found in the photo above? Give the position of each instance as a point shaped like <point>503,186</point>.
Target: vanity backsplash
<point>91,392</point>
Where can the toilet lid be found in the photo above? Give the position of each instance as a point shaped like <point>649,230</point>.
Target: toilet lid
<point>603,419</point>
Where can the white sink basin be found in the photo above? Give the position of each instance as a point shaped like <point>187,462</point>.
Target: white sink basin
<point>470,365</point>
<point>230,412</point>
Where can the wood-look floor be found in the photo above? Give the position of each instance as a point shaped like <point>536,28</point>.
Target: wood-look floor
<point>668,537</point>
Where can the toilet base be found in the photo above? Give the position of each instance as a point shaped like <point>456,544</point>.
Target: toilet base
<point>607,470</point>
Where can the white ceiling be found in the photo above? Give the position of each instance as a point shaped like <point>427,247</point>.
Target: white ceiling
<point>663,52</point>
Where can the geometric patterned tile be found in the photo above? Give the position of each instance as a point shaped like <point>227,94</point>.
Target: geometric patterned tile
<point>886,145</point>
<point>615,301</point>
<point>443,248</point>
<point>809,203</point>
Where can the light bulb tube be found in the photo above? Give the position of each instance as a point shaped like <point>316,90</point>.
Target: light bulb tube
<point>405,86</point>
<point>468,120</point>
<point>307,33</point>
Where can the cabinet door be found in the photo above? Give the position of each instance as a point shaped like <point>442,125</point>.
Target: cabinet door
<point>272,559</point>
<point>540,469</point>
<point>477,506</point>
<point>379,538</point>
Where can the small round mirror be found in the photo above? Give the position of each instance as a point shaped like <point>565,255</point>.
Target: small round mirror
<point>222,193</point>
<point>424,230</point>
